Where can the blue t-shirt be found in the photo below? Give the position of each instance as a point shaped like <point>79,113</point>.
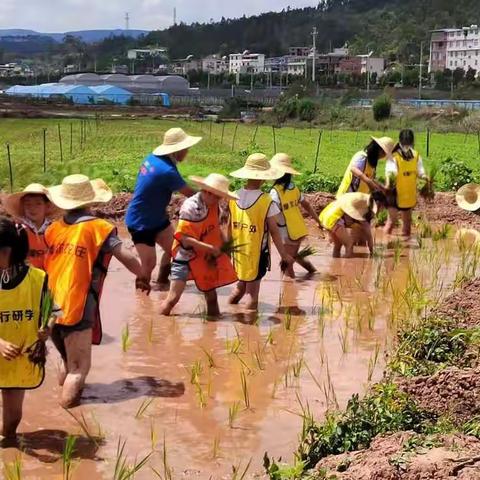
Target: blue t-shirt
<point>157,179</point>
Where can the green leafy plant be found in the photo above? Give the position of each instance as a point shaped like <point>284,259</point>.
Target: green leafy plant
<point>382,107</point>
<point>454,173</point>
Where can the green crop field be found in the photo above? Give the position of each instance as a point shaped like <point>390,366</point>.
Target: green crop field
<point>114,149</point>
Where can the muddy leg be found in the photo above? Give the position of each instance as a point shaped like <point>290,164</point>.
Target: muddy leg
<point>238,293</point>
<point>148,259</point>
<point>407,223</point>
<point>213,310</point>
<point>61,372</point>
<point>292,250</point>
<point>344,238</point>
<point>79,357</point>
<point>12,401</point>
<point>308,266</point>
<point>176,289</point>
<point>391,221</point>
<point>165,240</point>
<point>252,292</point>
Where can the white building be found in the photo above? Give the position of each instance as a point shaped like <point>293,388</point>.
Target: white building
<point>296,66</point>
<point>215,64</point>
<point>372,65</point>
<point>454,48</point>
<point>246,62</point>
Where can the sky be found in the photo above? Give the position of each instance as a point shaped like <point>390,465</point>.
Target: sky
<point>67,15</point>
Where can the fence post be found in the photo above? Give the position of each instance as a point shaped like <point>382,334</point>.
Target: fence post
<point>223,132</point>
<point>320,133</point>
<point>234,136</point>
<point>274,140</point>
<point>60,142</point>
<point>428,142</point>
<point>255,134</point>
<point>44,150</point>
<point>71,139</point>
<point>478,140</point>
<point>9,159</point>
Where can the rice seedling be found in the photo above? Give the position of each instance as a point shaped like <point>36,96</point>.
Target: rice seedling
<point>329,391</point>
<point>143,407</point>
<point>153,436</point>
<point>297,367</point>
<point>427,191</point>
<point>126,340</point>
<point>288,320</point>
<point>124,470</point>
<point>381,218</point>
<point>233,411</point>
<point>259,358</point>
<point>306,252</point>
<point>372,362</point>
<point>314,378</point>
<point>13,470</point>
<point>245,392</point>
<point>424,229</point>
<point>443,233</point>
<point>202,399</point>
<point>235,345</point>
<point>210,359</point>
<point>67,456</point>
<point>196,371</point>
<point>343,337</point>
<point>236,474</point>
<point>216,448</point>
<point>321,324</point>
<point>150,331</point>
<point>232,250</point>
<point>84,426</point>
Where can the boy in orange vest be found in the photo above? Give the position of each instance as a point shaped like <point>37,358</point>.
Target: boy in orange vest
<point>32,209</point>
<point>197,253</point>
<point>80,247</point>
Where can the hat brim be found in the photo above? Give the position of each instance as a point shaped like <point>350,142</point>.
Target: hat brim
<point>103,194</point>
<point>289,170</point>
<point>461,200</point>
<point>387,150</point>
<point>246,173</point>
<point>189,142</point>
<point>199,181</point>
<point>13,203</point>
<point>346,205</point>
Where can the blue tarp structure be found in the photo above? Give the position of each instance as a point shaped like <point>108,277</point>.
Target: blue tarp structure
<point>111,94</point>
<point>76,93</point>
<point>165,99</point>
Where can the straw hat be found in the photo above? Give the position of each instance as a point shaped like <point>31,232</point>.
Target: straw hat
<point>78,191</point>
<point>357,205</point>
<point>386,144</point>
<point>282,162</point>
<point>468,237</point>
<point>468,197</point>
<point>175,140</point>
<point>216,184</point>
<point>257,167</point>
<point>13,202</point>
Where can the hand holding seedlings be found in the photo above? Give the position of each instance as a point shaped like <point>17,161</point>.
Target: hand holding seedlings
<point>9,351</point>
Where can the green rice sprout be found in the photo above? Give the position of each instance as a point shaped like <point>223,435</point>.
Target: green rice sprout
<point>13,470</point>
<point>246,395</point>
<point>233,411</point>
<point>83,424</point>
<point>216,448</point>
<point>210,359</point>
<point>306,252</point>
<point>427,191</point>
<point>124,470</point>
<point>443,233</point>
<point>196,371</point>
<point>143,407</point>
<point>47,308</point>
<point>236,475</point>
<point>126,340</point>
<point>67,457</point>
<point>297,367</point>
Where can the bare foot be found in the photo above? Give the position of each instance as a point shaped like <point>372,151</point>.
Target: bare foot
<point>165,309</point>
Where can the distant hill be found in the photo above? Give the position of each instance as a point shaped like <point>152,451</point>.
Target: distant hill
<point>88,36</point>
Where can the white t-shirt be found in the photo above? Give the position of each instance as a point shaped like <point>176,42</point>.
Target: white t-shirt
<point>276,200</point>
<point>392,169</point>
<point>248,197</point>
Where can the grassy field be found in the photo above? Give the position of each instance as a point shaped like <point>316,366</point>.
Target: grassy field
<point>114,149</point>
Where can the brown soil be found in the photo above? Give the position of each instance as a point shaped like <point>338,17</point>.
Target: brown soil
<point>462,306</point>
<point>454,392</point>
<point>457,456</point>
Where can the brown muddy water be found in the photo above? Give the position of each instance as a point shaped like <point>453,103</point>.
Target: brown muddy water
<point>313,344</point>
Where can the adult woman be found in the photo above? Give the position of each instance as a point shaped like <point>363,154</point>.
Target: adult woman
<point>360,174</point>
<point>402,171</point>
<point>147,219</point>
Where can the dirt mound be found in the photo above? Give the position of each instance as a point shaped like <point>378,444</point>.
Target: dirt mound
<point>319,200</point>
<point>462,306</point>
<point>401,457</point>
<point>453,391</point>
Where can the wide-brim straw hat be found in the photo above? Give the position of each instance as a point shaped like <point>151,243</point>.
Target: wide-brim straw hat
<point>468,237</point>
<point>175,140</point>
<point>468,197</point>
<point>257,167</point>
<point>387,144</point>
<point>216,184</point>
<point>283,162</point>
<point>357,205</point>
<point>78,191</point>
<point>13,202</point>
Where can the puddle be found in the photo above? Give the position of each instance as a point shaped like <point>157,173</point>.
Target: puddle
<point>314,343</point>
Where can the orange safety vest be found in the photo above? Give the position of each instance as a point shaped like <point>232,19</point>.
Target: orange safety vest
<point>37,248</point>
<point>207,272</point>
<point>73,252</point>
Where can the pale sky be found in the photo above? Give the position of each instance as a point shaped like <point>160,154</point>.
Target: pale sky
<point>66,15</point>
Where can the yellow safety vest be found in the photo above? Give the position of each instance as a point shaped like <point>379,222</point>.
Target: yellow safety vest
<point>346,183</point>
<point>290,201</point>
<point>249,226</point>
<point>330,215</point>
<point>20,312</point>
<point>406,181</point>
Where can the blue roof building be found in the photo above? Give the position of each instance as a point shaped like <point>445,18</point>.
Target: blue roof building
<point>111,94</point>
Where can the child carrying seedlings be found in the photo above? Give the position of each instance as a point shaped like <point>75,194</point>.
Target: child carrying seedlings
<point>253,219</point>
<point>351,209</point>
<point>32,209</point>
<point>22,325</point>
<point>288,199</point>
<point>199,247</point>
<point>80,249</point>
<point>402,171</point>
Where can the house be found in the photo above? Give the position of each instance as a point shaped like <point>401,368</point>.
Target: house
<point>215,64</point>
<point>246,62</point>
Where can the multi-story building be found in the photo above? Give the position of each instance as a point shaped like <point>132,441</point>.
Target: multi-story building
<point>454,48</point>
<point>15,70</point>
<point>299,51</point>
<point>215,64</point>
<point>246,62</point>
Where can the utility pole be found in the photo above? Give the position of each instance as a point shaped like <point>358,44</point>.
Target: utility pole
<point>420,72</point>
<point>314,58</point>
<point>127,21</point>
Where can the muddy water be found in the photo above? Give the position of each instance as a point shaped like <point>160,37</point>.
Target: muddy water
<point>314,343</point>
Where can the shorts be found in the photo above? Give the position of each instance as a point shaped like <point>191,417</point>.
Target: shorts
<point>264,264</point>
<point>285,238</point>
<point>180,271</point>
<point>148,237</point>
<point>61,332</point>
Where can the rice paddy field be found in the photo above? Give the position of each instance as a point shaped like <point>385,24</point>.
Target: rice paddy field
<point>113,149</point>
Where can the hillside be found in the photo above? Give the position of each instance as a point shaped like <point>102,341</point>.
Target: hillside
<point>391,27</point>
<point>87,36</point>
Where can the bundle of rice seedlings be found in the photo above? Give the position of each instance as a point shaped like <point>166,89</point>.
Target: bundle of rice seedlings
<point>427,192</point>
<point>229,248</point>
<point>305,252</point>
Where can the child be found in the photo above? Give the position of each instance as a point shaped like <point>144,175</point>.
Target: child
<point>32,208</point>
<point>80,249</point>
<point>350,209</point>
<point>253,217</point>
<point>405,167</point>
<point>21,291</point>
<point>197,251</point>
<point>288,198</point>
